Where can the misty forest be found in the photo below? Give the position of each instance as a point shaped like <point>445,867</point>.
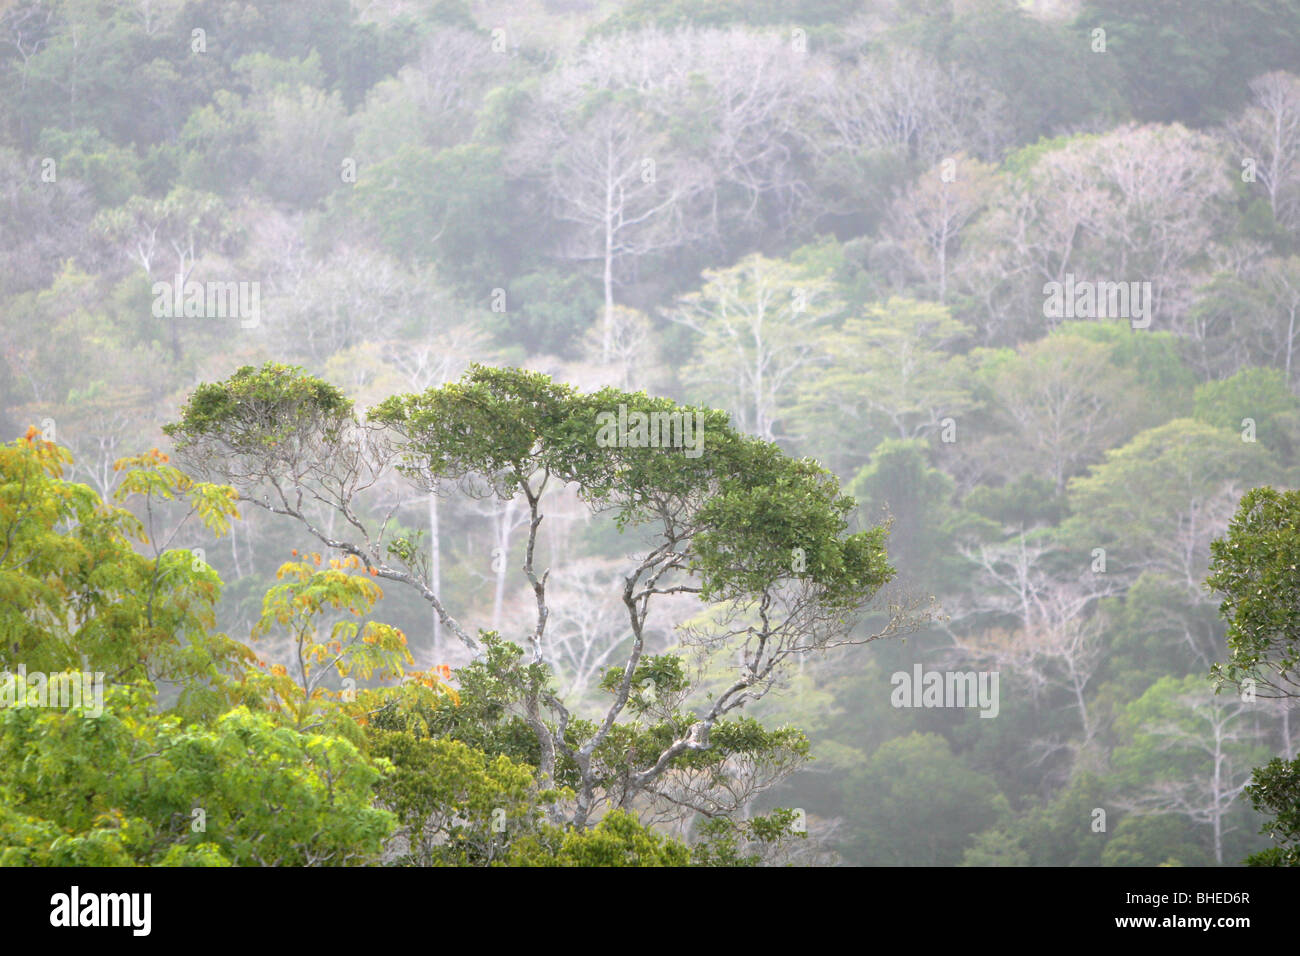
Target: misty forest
<point>649,432</point>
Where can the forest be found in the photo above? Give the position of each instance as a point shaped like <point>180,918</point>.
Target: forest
<point>649,433</point>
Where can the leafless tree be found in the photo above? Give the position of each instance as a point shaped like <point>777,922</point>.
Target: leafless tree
<point>1068,402</point>
<point>1267,136</point>
<point>1140,203</point>
<point>1211,729</point>
<point>758,324</point>
<point>607,170</point>
<point>928,221</point>
<point>902,100</point>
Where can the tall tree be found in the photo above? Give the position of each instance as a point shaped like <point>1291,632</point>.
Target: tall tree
<point>1188,751</point>
<point>906,349</point>
<point>732,519</point>
<point>1066,401</point>
<point>607,170</point>
<point>1254,568</point>
<point>1267,135</point>
<point>758,326</point>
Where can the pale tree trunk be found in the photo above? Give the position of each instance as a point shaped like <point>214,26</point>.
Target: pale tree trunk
<point>234,551</point>
<point>760,419</point>
<point>501,558</point>
<point>435,576</point>
<point>1287,750</point>
<point>1221,800</point>
<point>943,247</point>
<point>1290,344</point>
<point>607,339</point>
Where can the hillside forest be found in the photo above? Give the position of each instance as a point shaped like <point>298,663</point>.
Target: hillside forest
<point>650,432</point>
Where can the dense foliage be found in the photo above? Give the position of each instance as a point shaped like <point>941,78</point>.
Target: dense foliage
<point>1022,279</point>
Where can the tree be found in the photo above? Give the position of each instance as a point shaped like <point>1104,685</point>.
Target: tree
<point>732,523</point>
<point>757,326</point>
<point>455,805</point>
<point>1157,502</point>
<point>918,498</point>
<point>433,100</point>
<point>1156,839</point>
<point>1277,329</point>
<point>903,348</point>
<point>1155,357</point>
<point>914,804</point>
<point>1056,643</point>
<point>1257,399</point>
<point>1072,86</point>
<point>610,174</point>
<point>303,138</point>
<point>120,787</point>
<point>617,840</point>
<point>1195,81</point>
<point>380,366</point>
<point>1268,134</point>
<point>899,99</point>
<point>76,594</point>
<point>1275,789</point>
<point>928,221</point>
<point>734,103</point>
<point>451,206</point>
<point>1136,204</point>
<point>586,630</point>
<point>300,607</point>
<point>1050,832</point>
<point>210,778</point>
<point>1063,651</point>
<point>168,233</point>
<point>350,296</point>
<point>171,233</point>
<point>133,787</point>
<point>1187,751</point>
<point>1254,567</point>
<point>1065,400</point>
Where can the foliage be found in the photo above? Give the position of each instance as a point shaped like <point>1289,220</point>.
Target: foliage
<point>1275,791</point>
<point>134,787</point>
<point>1254,567</point>
<point>617,840</point>
<point>74,592</point>
<point>823,230</point>
<point>914,805</point>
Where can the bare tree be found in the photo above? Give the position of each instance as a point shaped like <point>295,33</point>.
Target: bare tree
<point>902,100</point>
<point>928,221</point>
<point>758,324</point>
<point>1223,747</point>
<point>1059,644</point>
<point>748,89</point>
<point>1140,203</point>
<point>1068,402</point>
<point>608,171</point>
<point>1267,137</point>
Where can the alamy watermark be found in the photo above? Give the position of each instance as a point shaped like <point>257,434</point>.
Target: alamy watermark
<point>208,300</point>
<point>1074,299</point>
<point>946,689</point>
<point>66,690</point>
<point>75,908</point>
<point>626,429</point>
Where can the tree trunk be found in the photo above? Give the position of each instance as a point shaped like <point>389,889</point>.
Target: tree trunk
<point>435,576</point>
<point>500,559</point>
<point>608,337</point>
